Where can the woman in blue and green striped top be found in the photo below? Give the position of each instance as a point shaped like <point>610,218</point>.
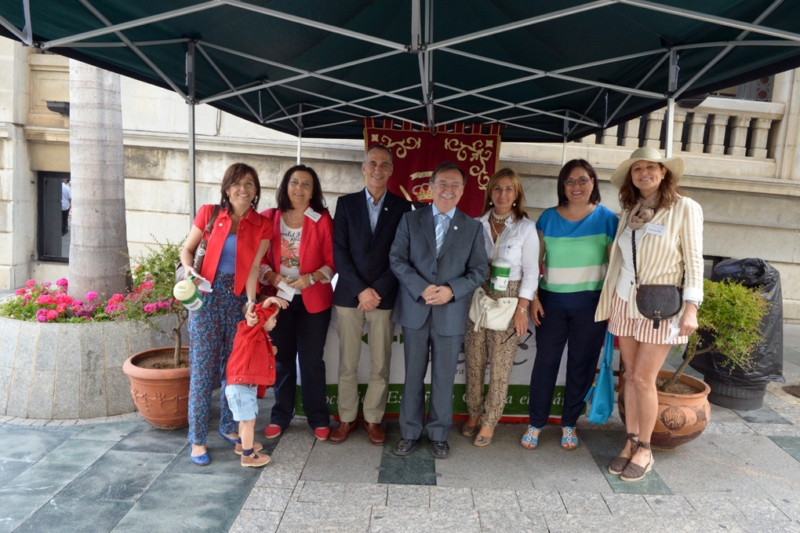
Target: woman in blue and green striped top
<point>574,241</point>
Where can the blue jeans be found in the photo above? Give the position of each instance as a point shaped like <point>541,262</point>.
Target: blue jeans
<point>585,341</point>
<point>211,333</point>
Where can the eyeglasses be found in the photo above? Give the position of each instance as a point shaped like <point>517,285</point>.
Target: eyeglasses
<point>448,186</point>
<point>522,344</point>
<point>581,182</point>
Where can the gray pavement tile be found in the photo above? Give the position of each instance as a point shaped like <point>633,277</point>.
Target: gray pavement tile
<point>565,523</point>
<point>314,518</point>
<point>790,445</point>
<point>776,472</point>
<point>118,476</point>
<point>11,469</point>
<point>224,461</point>
<point>553,469</point>
<point>34,487</point>
<point>790,508</point>
<point>319,492</point>
<point>78,452</point>
<point>187,502</point>
<point>353,461</point>
<point>396,520</point>
<point>277,476</point>
<point>759,509</point>
<point>418,468</point>
<point>585,503</point>
<point>409,496</point>
<point>84,515</point>
<point>114,431</point>
<point>497,466</point>
<point>365,494</point>
<point>722,472</point>
<point>264,499</point>
<point>23,443</point>
<point>728,428</point>
<point>145,438</point>
<point>765,415</point>
<point>512,522</point>
<point>535,501</point>
<point>627,505</point>
<point>451,498</point>
<point>760,526</point>
<point>787,430</point>
<point>714,506</point>
<point>723,414</point>
<point>672,506</point>
<point>298,488</point>
<point>604,447</point>
<point>250,521</point>
<point>691,525</point>
<point>495,499</point>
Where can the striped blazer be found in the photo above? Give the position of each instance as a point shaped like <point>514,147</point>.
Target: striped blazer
<point>661,259</point>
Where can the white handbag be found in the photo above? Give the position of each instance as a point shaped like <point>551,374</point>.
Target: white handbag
<point>486,312</point>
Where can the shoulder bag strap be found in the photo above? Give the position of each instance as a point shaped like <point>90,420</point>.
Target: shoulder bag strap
<point>200,253</point>
<point>633,247</point>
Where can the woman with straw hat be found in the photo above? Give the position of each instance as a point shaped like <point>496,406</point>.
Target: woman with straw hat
<point>664,229</point>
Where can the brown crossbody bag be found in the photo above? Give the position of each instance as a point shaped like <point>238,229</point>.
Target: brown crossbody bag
<point>656,302</point>
<point>200,253</point>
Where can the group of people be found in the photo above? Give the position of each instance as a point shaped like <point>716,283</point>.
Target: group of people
<point>575,273</point>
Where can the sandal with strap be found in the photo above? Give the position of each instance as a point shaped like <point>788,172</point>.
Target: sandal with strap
<point>634,472</point>
<point>528,438</point>
<point>618,464</point>
<point>569,438</point>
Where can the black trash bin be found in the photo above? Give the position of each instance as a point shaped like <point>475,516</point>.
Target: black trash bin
<point>738,388</point>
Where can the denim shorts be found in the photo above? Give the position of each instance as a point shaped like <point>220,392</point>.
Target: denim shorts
<point>242,401</point>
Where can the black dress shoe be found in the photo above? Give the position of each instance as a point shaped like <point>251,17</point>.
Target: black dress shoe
<point>440,449</point>
<point>405,447</point>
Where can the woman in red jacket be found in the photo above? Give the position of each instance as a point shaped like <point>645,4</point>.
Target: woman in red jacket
<point>302,259</point>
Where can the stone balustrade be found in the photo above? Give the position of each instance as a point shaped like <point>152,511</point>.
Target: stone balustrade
<point>718,126</point>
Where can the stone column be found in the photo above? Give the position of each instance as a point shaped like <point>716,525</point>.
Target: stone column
<point>739,135</point>
<point>677,130</point>
<point>758,138</point>
<point>610,136</point>
<point>716,134</point>
<point>631,133</point>
<point>694,142</point>
<point>652,134</point>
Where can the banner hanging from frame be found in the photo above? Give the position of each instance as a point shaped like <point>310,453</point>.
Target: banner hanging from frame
<point>416,152</point>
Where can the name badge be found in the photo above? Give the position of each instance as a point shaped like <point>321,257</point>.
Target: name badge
<point>655,229</point>
<point>313,215</point>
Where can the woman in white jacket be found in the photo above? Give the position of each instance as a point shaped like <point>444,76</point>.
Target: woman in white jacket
<point>668,230</point>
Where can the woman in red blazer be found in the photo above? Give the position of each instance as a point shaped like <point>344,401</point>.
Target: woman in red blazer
<point>301,257</point>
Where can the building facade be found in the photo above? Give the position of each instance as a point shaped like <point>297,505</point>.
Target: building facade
<point>742,165</point>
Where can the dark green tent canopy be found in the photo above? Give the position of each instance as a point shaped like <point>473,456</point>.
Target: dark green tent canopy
<point>540,68</point>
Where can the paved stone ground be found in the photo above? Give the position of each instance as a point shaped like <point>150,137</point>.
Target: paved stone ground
<point>120,474</point>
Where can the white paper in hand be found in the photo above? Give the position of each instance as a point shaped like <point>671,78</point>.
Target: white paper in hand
<point>205,285</point>
<point>285,291</point>
<point>674,329</point>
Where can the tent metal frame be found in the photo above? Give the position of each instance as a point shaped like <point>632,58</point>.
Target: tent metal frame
<point>420,43</point>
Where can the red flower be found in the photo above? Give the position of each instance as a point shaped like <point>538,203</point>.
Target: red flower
<point>45,299</point>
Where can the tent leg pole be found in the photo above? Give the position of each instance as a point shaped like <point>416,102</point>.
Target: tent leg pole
<point>192,188</point>
<point>670,118</point>
<point>299,131</point>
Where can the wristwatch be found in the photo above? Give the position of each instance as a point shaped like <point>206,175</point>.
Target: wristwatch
<point>251,302</point>
<point>311,279</point>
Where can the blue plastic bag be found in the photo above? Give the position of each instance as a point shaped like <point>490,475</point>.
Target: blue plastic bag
<point>602,392</point>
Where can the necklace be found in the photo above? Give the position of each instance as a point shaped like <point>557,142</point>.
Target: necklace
<point>293,221</point>
<point>500,219</point>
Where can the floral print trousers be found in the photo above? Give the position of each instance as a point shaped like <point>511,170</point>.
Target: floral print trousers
<point>211,333</point>
<point>495,348</point>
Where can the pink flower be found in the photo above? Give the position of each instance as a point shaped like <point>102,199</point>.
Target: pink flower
<point>62,282</point>
<point>30,283</point>
<point>76,304</point>
<point>52,315</point>
<point>117,298</point>
<point>90,296</point>
<point>27,297</point>
<point>63,298</point>
<point>41,315</point>
<point>60,308</point>
<point>150,308</point>
<point>19,292</point>
<point>46,284</point>
<point>45,299</point>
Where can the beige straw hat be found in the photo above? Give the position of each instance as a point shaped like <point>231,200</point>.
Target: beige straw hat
<point>647,153</point>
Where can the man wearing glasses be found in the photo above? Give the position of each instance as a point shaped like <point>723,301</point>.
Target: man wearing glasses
<point>439,258</point>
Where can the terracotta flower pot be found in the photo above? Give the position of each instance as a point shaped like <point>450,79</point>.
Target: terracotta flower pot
<point>162,396</point>
<point>681,417</point>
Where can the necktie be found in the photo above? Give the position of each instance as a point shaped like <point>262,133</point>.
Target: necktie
<point>440,231</point>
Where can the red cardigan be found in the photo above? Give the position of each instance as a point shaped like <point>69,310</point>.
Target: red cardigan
<point>252,230</point>
<point>252,361</point>
<point>316,250</point>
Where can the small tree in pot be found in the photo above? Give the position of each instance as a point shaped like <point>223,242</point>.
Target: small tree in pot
<point>728,323</point>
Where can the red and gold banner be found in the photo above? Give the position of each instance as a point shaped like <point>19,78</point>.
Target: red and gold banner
<point>416,152</point>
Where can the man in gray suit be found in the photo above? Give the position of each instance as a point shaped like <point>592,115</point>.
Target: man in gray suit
<point>439,258</point>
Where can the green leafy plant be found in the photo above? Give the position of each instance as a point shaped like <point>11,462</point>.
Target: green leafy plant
<point>153,274</point>
<point>730,317</point>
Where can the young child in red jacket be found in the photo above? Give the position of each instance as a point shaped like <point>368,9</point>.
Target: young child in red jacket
<point>252,363</point>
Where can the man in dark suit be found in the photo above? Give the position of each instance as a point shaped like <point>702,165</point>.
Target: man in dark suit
<point>439,258</point>
<point>363,231</point>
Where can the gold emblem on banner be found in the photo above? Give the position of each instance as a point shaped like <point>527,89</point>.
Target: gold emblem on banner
<point>478,152</point>
<point>400,147</point>
<point>423,192</point>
